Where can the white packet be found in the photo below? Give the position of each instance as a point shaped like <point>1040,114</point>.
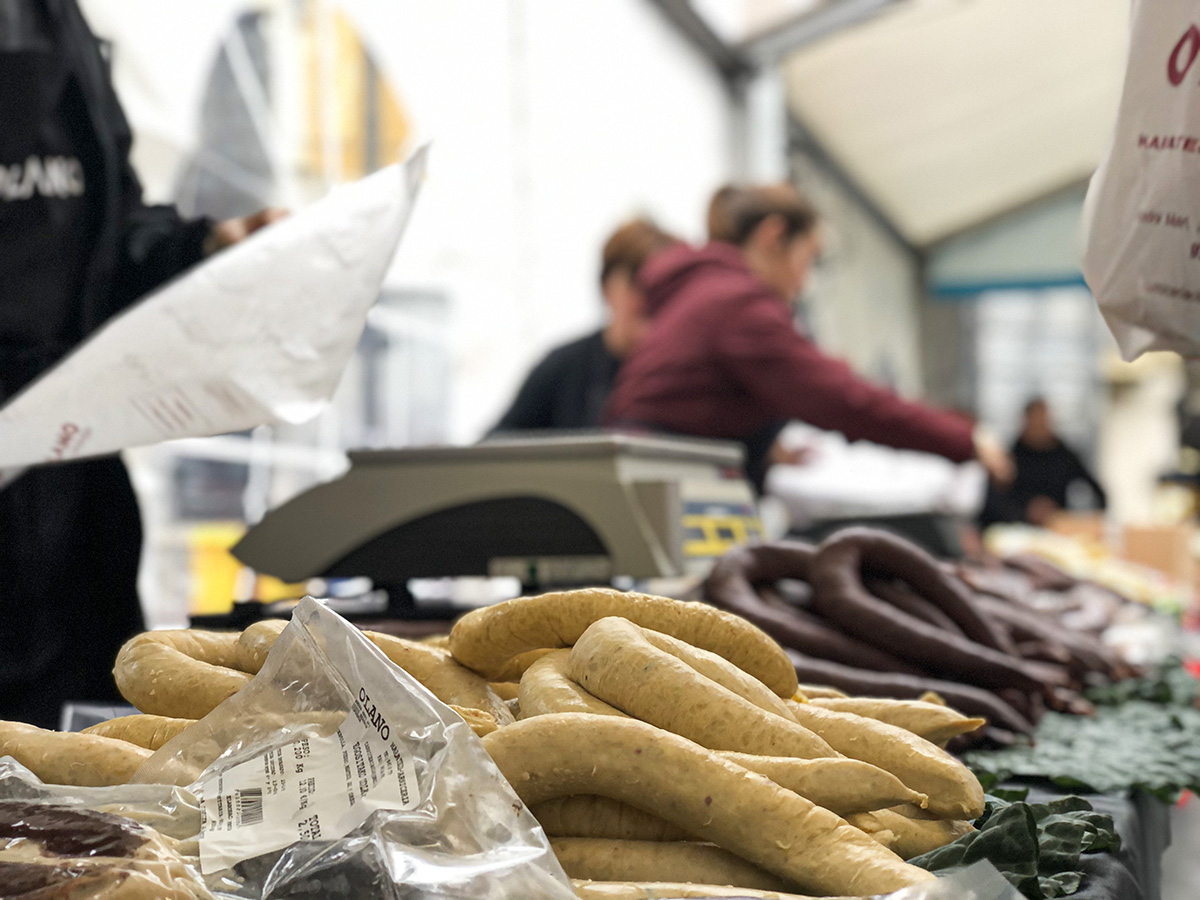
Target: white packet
<point>258,333</point>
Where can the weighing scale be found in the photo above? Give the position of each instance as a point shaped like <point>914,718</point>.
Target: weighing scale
<point>566,510</point>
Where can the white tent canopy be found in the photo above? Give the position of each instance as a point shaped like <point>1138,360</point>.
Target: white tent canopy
<point>948,113</point>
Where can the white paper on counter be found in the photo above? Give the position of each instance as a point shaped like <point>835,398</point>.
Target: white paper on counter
<point>258,334</point>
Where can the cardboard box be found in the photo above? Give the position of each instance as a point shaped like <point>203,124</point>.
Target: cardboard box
<point>1167,548</point>
<point>1089,526</point>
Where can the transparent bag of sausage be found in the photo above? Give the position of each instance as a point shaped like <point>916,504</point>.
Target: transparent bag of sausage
<point>333,774</point>
<point>69,843</point>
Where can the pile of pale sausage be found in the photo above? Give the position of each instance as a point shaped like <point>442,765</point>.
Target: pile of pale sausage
<point>665,747</point>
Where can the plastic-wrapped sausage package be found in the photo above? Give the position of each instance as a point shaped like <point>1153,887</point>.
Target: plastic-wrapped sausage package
<point>130,842</point>
<point>332,774</point>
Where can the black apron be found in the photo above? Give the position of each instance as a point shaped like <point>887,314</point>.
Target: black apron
<point>70,536</point>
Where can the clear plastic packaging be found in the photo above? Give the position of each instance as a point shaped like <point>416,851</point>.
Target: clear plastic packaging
<point>290,788</point>
<point>979,881</point>
<point>75,843</point>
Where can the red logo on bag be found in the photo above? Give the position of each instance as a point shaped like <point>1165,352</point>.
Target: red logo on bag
<point>1189,47</point>
<point>70,440</point>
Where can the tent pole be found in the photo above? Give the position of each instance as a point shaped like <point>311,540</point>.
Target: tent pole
<point>769,47</point>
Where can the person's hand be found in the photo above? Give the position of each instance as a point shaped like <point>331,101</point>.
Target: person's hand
<point>227,233</point>
<point>994,458</point>
<point>781,454</point>
<point>1041,510</point>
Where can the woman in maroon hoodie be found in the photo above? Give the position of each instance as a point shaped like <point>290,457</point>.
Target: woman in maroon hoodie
<point>723,359</point>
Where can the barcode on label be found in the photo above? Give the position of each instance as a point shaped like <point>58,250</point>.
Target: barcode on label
<point>249,806</point>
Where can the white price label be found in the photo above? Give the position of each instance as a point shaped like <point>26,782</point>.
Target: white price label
<point>312,789</point>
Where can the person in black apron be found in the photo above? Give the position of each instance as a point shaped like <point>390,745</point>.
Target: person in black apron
<point>77,245</point>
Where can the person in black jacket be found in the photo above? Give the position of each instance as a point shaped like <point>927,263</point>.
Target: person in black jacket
<point>568,388</point>
<point>77,245</point>
<point>1046,469</point>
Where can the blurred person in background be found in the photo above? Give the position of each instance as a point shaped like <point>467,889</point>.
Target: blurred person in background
<point>77,245</point>
<point>1046,471</point>
<point>722,225</point>
<point>722,357</point>
<point>569,387</point>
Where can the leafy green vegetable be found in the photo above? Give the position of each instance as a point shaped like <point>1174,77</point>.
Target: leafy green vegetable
<point>1134,746</point>
<point>1036,846</point>
<point>1168,683</point>
<point>1010,795</point>
<point>1145,736</point>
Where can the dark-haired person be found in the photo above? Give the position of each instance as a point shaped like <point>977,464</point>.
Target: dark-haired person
<point>722,358</point>
<point>569,387</point>
<point>77,245</point>
<point>721,222</point>
<point>1046,470</point>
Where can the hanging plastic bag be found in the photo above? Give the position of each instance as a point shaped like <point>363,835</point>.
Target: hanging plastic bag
<point>1142,214</point>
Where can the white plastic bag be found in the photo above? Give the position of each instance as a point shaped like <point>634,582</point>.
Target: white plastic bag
<point>1142,214</point>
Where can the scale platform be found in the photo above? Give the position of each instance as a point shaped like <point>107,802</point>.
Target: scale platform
<point>552,511</point>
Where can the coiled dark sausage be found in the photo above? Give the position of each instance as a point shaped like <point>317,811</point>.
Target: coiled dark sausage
<point>728,588</point>
<point>964,698</point>
<point>906,600</point>
<point>885,555</point>
<point>839,596</point>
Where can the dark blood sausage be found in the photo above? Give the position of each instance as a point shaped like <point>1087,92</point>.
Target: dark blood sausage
<point>1068,701</point>
<point>902,597</point>
<point>883,555</point>
<point>787,593</point>
<point>839,596</point>
<point>1087,654</point>
<point>1044,651</point>
<point>1005,583</point>
<point>1093,608</point>
<point>778,560</point>
<point>1043,575</point>
<point>968,700</point>
<point>727,588</point>
<point>832,644</point>
<point>65,832</point>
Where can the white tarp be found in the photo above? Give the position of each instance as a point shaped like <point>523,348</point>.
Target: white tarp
<point>950,113</point>
<point>258,334</point>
